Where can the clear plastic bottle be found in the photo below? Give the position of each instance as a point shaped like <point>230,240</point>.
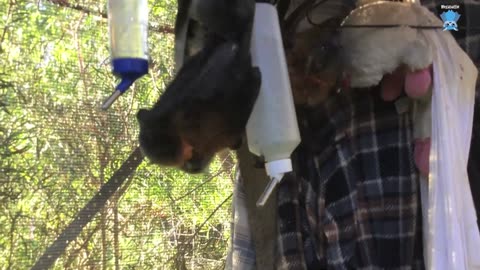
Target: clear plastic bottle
<point>128,29</point>
<point>272,130</point>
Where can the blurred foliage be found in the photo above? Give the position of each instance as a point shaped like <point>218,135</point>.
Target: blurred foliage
<point>57,148</point>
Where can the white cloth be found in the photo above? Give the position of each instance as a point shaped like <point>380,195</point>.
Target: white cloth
<point>452,239</point>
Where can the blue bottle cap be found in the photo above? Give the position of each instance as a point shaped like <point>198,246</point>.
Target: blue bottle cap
<point>129,70</point>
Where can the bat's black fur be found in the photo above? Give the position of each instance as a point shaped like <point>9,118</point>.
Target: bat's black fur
<point>197,19</point>
<point>208,103</point>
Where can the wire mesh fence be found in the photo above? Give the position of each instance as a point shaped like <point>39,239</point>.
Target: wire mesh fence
<point>57,148</point>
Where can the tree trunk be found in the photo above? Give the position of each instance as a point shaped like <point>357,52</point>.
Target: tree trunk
<point>87,213</point>
<point>103,226</point>
<point>116,247</point>
<point>262,220</point>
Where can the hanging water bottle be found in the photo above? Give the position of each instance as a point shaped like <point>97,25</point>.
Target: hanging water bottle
<point>272,129</point>
<point>128,29</point>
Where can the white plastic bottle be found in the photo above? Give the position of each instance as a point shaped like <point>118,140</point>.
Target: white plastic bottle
<point>128,28</point>
<point>272,130</point>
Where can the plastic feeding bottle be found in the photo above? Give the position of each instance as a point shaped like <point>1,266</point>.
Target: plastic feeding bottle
<point>272,130</point>
<point>128,28</point>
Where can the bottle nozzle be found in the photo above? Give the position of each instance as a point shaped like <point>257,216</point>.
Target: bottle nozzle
<point>111,99</point>
<point>269,189</point>
<point>129,70</point>
<point>120,89</point>
<point>275,169</point>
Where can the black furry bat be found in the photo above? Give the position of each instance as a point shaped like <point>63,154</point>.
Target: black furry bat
<point>197,19</point>
<point>206,107</point>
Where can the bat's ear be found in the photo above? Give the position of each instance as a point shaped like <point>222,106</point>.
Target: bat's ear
<point>152,117</point>
<point>143,116</point>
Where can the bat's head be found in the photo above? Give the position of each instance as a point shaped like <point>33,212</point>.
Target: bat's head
<point>158,140</point>
<point>164,145</point>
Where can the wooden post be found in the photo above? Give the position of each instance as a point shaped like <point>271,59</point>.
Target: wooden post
<point>262,220</point>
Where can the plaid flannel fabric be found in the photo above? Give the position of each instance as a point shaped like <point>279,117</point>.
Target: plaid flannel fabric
<point>354,191</point>
<point>353,199</point>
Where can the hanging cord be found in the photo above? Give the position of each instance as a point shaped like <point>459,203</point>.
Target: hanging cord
<point>312,8</point>
<point>290,22</point>
<point>71,232</point>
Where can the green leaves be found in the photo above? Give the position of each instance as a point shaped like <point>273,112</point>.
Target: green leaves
<point>57,148</point>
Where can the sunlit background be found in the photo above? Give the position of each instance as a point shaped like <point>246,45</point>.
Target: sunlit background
<point>57,148</point>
